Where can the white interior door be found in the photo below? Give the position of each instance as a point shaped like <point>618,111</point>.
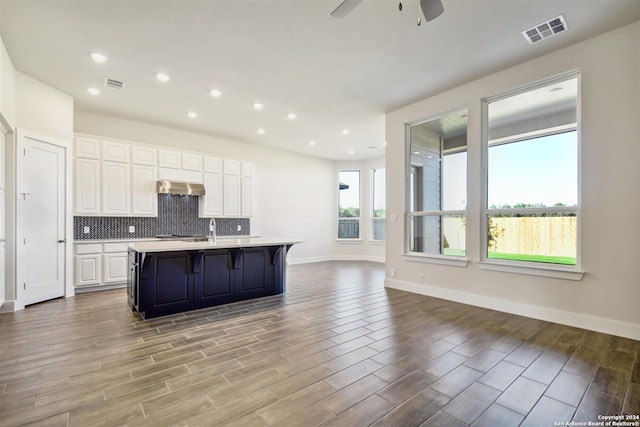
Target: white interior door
<point>41,220</point>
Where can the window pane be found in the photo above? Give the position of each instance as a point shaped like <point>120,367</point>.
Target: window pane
<point>539,172</point>
<point>438,235</point>
<point>379,231</point>
<point>349,205</point>
<point>379,193</point>
<point>454,181</point>
<point>549,238</point>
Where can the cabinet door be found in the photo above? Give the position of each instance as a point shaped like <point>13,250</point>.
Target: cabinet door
<point>169,159</point>
<point>212,164</point>
<point>247,196</point>
<point>87,187</point>
<point>232,201</point>
<point>87,148</point>
<point>192,162</point>
<point>116,188</point>
<point>144,196</point>
<point>115,267</point>
<point>247,169</point>
<point>211,203</point>
<point>144,155</point>
<point>115,151</point>
<point>232,167</point>
<point>87,269</point>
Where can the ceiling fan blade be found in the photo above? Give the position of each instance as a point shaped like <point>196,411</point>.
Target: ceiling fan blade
<point>431,9</point>
<point>344,8</point>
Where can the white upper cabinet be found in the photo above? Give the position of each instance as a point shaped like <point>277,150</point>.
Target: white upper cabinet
<point>144,199</point>
<point>212,164</point>
<point>87,186</point>
<point>116,152</point>
<point>192,162</point>
<point>87,148</point>
<point>116,188</point>
<point>247,169</point>
<point>232,195</point>
<point>146,156</point>
<point>2,158</point>
<point>169,159</point>
<point>232,167</point>
<point>247,196</point>
<point>211,203</point>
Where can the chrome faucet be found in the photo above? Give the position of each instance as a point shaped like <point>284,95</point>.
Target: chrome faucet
<point>212,230</point>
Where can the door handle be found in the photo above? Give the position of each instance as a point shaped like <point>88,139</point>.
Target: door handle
<point>62,241</point>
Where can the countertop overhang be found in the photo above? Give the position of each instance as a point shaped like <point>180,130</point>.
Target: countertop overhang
<point>173,245</point>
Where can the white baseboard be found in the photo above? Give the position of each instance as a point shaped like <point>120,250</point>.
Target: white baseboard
<point>310,260</point>
<point>8,307</point>
<point>97,288</point>
<point>584,321</point>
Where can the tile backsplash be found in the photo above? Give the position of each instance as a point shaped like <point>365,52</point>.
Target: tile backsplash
<point>177,214</point>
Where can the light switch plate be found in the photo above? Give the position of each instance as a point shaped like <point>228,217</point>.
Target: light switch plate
<point>239,228</point>
<point>132,229</point>
<point>86,230</point>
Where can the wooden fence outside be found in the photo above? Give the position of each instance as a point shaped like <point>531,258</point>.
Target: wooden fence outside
<point>550,235</point>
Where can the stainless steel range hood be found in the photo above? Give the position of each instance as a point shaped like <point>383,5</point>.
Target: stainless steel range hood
<point>176,187</point>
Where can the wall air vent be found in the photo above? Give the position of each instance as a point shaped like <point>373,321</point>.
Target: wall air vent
<point>113,84</point>
<point>545,30</point>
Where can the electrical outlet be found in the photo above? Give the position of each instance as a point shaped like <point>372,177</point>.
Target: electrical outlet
<point>421,278</point>
<point>392,272</point>
<point>393,218</point>
<point>86,230</point>
<point>239,228</point>
<point>132,229</point>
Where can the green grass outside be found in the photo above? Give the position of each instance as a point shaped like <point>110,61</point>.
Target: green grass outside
<point>564,260</point>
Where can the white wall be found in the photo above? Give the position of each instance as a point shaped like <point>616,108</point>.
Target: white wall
<point>293,193</point>
<point>607,298</point>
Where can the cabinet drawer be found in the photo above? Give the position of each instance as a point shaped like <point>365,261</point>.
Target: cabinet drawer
<point>89,248</point>
<point>115,247</point>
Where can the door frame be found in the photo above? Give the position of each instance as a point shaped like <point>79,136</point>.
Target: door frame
<point>21,136</point>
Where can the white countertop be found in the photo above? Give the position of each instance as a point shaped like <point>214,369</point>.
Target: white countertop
<point>178,245</point>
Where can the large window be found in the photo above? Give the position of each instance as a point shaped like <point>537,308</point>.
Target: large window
<point>532,174</point>
<point>378,214</point>
<point>349,204</point>
<point>437,193</point>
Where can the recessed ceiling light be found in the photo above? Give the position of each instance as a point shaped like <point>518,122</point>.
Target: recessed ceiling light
<point>312,143</point>
<point>215,93</point>
<point>352,152</point>
<point>192,115</point>
<point>261,131</point>
<point>292,116</point>
<point>163,77</point>
<point>98,57</point>
<point>345,131</point>
<point>93,91</point>
<point>258,106</point>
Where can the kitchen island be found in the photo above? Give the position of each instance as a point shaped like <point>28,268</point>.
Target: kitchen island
<point>168,277</point>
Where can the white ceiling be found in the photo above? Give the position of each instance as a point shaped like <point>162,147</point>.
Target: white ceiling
<point>291,55</point>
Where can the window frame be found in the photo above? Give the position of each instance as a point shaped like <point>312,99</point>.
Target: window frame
<point>452,260</point>
<point>570,272</point>
<point>373,218</point>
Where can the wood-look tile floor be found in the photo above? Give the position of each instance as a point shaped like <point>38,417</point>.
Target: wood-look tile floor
<point>338,349</point>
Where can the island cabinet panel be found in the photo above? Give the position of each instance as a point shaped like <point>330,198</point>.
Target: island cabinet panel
<point>166,284</point>
<point>214,279</point>
<point>256,274</point>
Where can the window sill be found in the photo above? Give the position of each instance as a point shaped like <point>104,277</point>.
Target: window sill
<point>377,242</point>
<point>435,259</point>
<point>557,272</point>
<point>349,241</point>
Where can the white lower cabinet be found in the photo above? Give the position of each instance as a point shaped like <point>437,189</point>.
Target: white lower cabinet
<point>2,273</point>
<point>88,264</point>
<point>100,264</point>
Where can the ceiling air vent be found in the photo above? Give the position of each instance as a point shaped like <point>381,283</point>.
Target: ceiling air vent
<point>113,84</point>
<point>545,30</point>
